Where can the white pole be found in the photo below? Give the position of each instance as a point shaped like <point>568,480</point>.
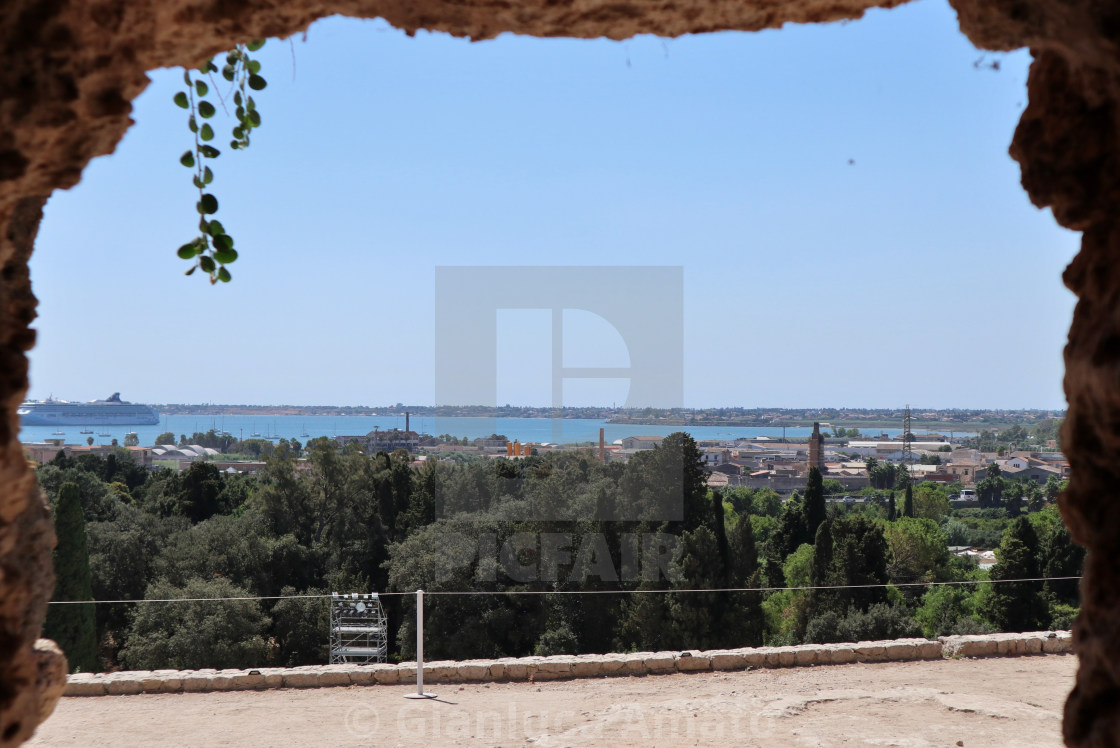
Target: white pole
<point>420,651</point>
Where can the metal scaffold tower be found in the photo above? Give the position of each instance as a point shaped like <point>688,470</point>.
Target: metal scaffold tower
<point>907,438</point>
<point>359,633</point>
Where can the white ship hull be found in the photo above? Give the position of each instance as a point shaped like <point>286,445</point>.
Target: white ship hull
<point>111,412</point>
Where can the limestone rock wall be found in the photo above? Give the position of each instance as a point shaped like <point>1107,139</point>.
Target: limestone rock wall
<point>70,70</point>
<point>566,667</point>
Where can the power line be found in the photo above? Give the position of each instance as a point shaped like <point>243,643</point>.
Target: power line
<point>571,592</point>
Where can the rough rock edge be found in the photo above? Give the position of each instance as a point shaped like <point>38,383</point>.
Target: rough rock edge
<point>564,667</point>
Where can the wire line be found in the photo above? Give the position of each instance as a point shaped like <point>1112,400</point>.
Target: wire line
<point>568,592</point>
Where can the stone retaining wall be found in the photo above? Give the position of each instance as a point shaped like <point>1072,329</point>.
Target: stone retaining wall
<point>565,666</point>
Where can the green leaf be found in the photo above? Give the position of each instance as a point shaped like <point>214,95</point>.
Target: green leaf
<point>223,242</point>
<point>239,112</point>
<point>209,203</point>
<point>257,83</point>
<point>237,98</point>
<point>206,263</point>
<point>191,271</point>
<point>196,182</point>
<point>251,104</point>
<point>254,67</point>
<point>181,100</point>
<point>225,256</point>
<point>232,57</point>
<point>201,87</point>
<point>211,67</point>
<point>199,208</point>
<point>215,228</point>
<point>234,145</point>
<point>187,77</point>
<point>255,118</point>
<point>207,175</point>
<point>227,72</point>
<point>209,151</point>
<point>203,226</point>
<point>254,45</point>
<point>187,159</point>
<point>206,109</point>
<point>188,251</point>
<point>224,276</point>
<point>207,132</point>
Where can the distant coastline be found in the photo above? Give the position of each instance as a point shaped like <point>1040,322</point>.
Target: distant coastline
<point>926,419</point>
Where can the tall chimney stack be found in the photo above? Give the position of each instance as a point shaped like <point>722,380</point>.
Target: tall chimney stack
<point>602,447</point>
<point>406,428</point>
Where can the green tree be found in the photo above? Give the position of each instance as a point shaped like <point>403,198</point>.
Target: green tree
<point>850,551</point>
<point>892,512</point>
<point>990,489</point>
<point>166,438</point>
<point>132,439</point>
<point>882,475</point>
<point>949,609</point>
<point>860,558</point>
<point>298,626</point>
<point>699,617</point>
<point>1053,488</point>
<point>1013,497</point>
<point>193,635</point>
<point>823,574</point>
<point>1036,499</point>
<point>902,478</point>
<point>879,621</point>
<point>766,502</point>
<point>919,551</point>
<point>1063,558</point>
<point>792,532</point>
<point>1017,606</point>
<point>931,501</point>
<point>815,510</point>
<point>89,440</point>
<point>908,502</point>
<point>73,627</point>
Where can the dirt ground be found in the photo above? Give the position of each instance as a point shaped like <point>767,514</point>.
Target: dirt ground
<point>1014,701</point>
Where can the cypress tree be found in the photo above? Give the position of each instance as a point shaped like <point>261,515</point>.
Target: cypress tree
<point>73,627</point>
<point>814,503</point>
<point>892,512</point>
<point>908,502</point>
<point>791,533</point>
<point>719,527</point>
<point>772,574</point>
<point>820,574</point>
<point>745,621</point>
<point>1062,558</point>
<point>1017,606</point>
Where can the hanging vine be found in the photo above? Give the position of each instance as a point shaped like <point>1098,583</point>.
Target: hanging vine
<point>212,250</point>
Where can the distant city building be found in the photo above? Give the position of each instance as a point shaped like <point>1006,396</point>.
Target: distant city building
<point>43,452</point>
<point>642,442</point>
<point>384,441</point>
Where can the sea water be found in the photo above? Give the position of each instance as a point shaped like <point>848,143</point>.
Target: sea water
<point>537,430</point>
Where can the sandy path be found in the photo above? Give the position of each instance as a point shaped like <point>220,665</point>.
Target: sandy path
<point>1014,701</point>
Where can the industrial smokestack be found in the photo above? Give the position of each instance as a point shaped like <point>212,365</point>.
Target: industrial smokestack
<point>406,428</point>
<point>602,447</point>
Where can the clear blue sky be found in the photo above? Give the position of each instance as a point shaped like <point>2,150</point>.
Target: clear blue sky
<point>919,273</point>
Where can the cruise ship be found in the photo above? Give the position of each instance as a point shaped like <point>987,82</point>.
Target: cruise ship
<point>111,411</point>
